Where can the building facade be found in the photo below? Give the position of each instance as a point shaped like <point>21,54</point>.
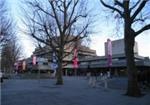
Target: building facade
<point>89,61</point>
<point>100,63</point>
<point>46,53</point>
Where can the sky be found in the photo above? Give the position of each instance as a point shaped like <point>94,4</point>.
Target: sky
<point>103,29</point>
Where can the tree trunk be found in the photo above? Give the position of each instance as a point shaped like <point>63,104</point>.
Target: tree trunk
<point>133,87</point>
<point>59,70</point>
<point>59,74</point>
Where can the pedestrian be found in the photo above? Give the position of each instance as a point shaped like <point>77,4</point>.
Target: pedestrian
<point>101,74</point>
<point>1,76</point>
<point>108,74</point>
<point>89,78</point>
<point>93,79</point>
<point>93,82</point>
<point>88,74</point>
<point>105,82</point>
<point>53,75</point>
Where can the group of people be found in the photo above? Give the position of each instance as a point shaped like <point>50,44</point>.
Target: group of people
<point>92,78</point>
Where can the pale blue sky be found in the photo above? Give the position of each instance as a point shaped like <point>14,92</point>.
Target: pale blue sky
<point>104,29</point>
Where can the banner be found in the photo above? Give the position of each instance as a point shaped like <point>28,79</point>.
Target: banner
<point>34,60</point>
<point>75,59</point>
<point>109,52</point>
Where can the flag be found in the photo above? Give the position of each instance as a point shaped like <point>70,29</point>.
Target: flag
<point>109,52</point>
<point>34,60</point>
<point>75,59</point>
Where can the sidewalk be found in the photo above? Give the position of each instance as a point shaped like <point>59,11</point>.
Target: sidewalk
<point>75,91</point>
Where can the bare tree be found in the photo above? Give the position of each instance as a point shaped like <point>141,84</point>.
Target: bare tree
<point>6,31</point>
<point>5,24</point>
<point>11,52</point>
<point>58,23</point>
<point>132,13</point>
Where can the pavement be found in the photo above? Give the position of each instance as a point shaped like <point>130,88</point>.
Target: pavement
<point>75,91</point>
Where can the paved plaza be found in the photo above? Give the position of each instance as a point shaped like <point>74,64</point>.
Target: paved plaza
<point>75,91</point>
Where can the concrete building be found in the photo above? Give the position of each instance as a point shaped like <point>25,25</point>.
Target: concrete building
<point>46,52</point>
<point>100,63</point>
<point>88,60</point>
<point>118,47</point>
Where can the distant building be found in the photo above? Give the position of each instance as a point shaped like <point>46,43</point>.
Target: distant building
<point>100,64</point>
<point>118,47</point>
<point>42,64</point>
<point>88,60</point>
<point>46,52</point>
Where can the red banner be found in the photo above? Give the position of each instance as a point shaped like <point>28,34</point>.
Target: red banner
<point>34,60</point>
<point>75,59</point>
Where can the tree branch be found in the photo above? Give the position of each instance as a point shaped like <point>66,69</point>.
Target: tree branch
<point>142,30</point>
<point>112,8</point>
<point>135,5</point>
<point>73,10</point>
<point>118,3</point>
<point>141,6</point>
<point>44,11</point>
<point>56,17</point>
<point>140,19</point>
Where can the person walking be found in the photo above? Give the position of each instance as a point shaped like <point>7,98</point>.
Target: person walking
<point>92,79</point>
<point>89,78</point>
<point>1,76</point>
